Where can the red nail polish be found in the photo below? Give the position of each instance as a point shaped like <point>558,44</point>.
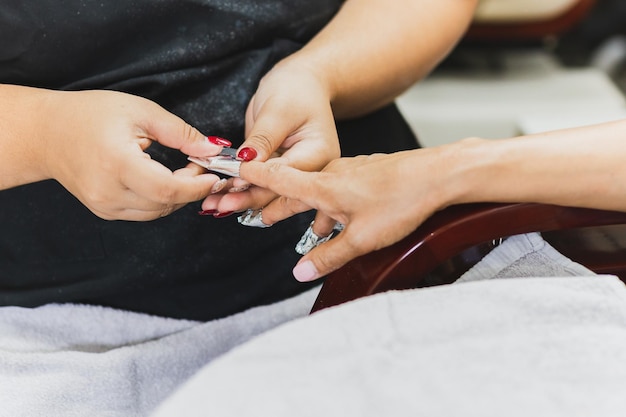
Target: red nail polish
<point>247,154</point>
<point>224,214</point>
<point>207,212</point>
<point>216,140</point>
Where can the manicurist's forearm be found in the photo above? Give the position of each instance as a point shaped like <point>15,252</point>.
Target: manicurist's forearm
<point>581,167</point>
<point>20,117</point>
<point>375,49</point>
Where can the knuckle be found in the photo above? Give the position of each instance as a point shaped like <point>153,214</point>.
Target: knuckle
<point>327,264</point>
<point>263,139</point>
<point>188,132</point>
<point>274,168</point>
<point>289,206</point>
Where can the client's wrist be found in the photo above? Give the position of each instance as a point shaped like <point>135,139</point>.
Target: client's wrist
<point>304,74</point>
<point>471,173</point>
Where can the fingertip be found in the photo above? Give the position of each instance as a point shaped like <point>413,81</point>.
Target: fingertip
<point>247,154</point>
<point>200,145</point>
<point>306,271</point>
<point>216,140</point>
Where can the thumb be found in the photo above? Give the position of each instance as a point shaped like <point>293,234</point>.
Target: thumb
<point>269,130</point>
<point>172,131</point>
<point>326,258</point>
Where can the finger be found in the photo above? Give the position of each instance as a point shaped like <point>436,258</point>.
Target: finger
<point>282,208</point>
<point>268,132</point>
<point>154,181</point>
<point>173,132</point>
<point>237,201</point>
<point>323,224</point>
<point>281,179</point>
<point>239,184</point>
<point>328,257</point>
<point>191,170</point>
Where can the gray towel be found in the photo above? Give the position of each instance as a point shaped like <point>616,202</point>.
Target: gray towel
<point>85,361</point>
<point>485,347</point>
<point>75,360</point>
<point>521,256</point>
<point>518,347</point>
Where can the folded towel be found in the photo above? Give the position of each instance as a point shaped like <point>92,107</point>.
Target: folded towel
<point>76,360</point>
<point>481,347</point>
<point>526,255</point>
<point>511,347</point>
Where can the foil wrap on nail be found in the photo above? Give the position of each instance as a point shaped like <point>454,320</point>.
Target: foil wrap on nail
<point>310,240</point>
<point>252,218</point>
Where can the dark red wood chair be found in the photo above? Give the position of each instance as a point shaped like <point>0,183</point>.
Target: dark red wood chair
<point>553,26</point>
<point>454,239</point>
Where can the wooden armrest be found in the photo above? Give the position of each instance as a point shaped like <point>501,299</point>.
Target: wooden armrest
<point>524,31</point>
<point>452,231</point>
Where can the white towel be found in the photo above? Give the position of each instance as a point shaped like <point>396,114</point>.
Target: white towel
<point>483,347</point>
<point>84,361</point>
<point>512,347</point>
<point>74,360</point>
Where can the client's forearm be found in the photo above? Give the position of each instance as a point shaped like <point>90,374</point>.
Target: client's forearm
<point>581,167</point>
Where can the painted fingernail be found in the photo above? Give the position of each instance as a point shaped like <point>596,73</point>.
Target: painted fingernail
<point>219,215</point>
<point>216,140</point>
<point>305,271</point>
<point>219,186</point>
<point>207,212</point>
<point>247,154</point>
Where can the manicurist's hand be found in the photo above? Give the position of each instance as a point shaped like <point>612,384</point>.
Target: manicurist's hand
<point>93,142</point>
<point>353,66</point>
<point>290,120</point>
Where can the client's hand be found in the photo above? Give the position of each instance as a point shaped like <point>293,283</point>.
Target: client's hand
<point>289,117</point>
<point>379,198</point>
<point>94,143</point>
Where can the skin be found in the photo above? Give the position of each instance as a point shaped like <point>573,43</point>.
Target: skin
<point>371,52</point>
<point>105,133</point>
<point>371,195</point>
<point>93,142</point>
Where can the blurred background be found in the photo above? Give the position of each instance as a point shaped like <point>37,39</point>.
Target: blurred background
<point>526,66</point>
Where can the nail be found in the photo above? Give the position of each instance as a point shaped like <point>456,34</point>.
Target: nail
<point>247,154</point>
<point>305,271</point>
<point>219,215</point>
<point>216,140</point>
<point>218,186</point>
<point>310,240</point>
<point>239,189</point>
<point>207,212</point>
<point>252,218</point>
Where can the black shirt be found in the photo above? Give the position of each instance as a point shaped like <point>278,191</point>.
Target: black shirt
<point>202,60</point>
